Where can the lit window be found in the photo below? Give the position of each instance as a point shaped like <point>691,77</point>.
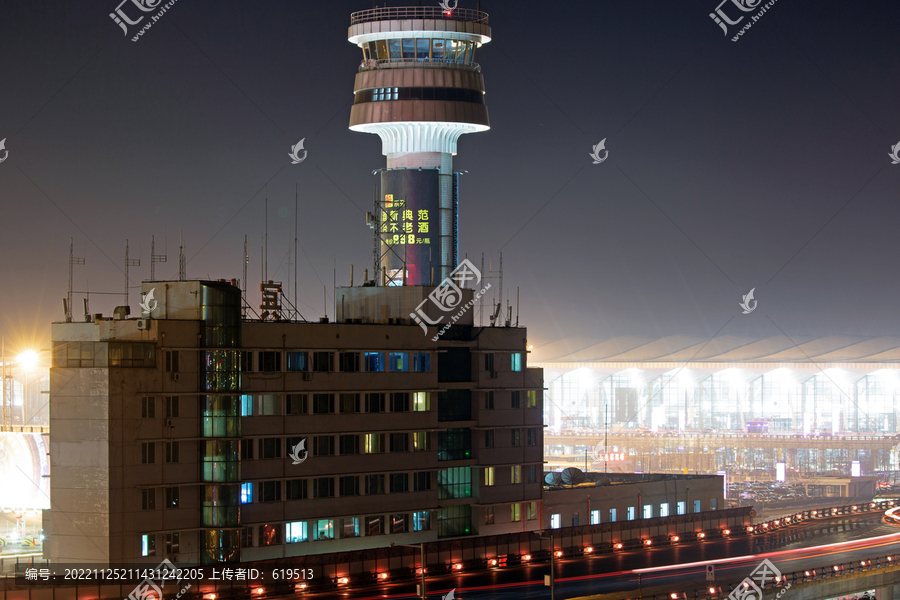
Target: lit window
<point>515,512</point>
<point>555,521</point>
<point>489,476</point>
<point>246,493</point>
<point>148,545</point>
<point>297,532</point>
<point>421,401</point>
<point>516,361</point>
<point>595,517</point>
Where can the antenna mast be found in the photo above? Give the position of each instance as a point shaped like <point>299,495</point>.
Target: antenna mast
<point>72,261</point>
<point>182,275</point>
<point>155,258</point>
<point>296,243</point>
<point>129,263</point>
<point>244,287</point>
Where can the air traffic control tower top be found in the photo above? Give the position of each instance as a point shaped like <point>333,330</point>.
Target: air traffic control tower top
<point>419,89</point>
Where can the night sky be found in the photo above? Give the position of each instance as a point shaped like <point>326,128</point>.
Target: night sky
<point>761,163</point>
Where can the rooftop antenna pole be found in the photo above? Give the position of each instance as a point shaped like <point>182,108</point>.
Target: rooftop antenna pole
<point>480,300</point>
<point>155,258</point>
<point>72,261</point>
<point>129,263</point>
<point>296,243</point>
<point>244,288</point>
<point>266,267</point>
<point>182,274</point>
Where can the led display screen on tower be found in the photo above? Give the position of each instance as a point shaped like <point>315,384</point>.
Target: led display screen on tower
<point>408,224</point>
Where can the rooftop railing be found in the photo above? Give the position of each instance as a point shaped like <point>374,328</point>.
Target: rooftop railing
<point>418,12</point>
<point>400,63</point>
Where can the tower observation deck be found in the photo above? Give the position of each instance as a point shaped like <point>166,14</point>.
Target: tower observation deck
<point>419,89</point>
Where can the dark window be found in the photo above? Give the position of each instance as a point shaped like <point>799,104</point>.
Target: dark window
<point>374,525</point>
<point>148,499</point>
<point>268,491</point>
<point>488,515</point>
<point>455,444</point>
<point>515,437</point>
<point>171,406</point>
<point>530,474</point>
<point>374,362</point>
<point>323,445</point>
<point>349,403</point>
<point>399,482</point>
<point>399,442</point>
<point>418,93</point>
<point>171,497</point>
<point>172,452</point>
<point>375,403</point>
<point>421,362</point>
<point>350,485</point>
<point>297,361</point>
<point>489,361</point>
<point>374,484</point>
<point>270,448</point>
<point>350,362</point>
<point>323,362</point>
<point>247,361</point>
<point>349,444</point>
<point>173,543</point>
<point>489,400</point>
<point>531,436</point>
<point>292,442</point>
<point>400,402</point>
<point>399,523</point>
<point>270,361</point>
<point>148,453</point>
<point>422,481</point>
<point>489,438</point>
<point>172,361</point>
<point>296,489</point>
<point>455,405</point>
<point>515,400</point>
<point>247,537</point>
<point>323,404</point>
<point>323,487</point>
<point>454,521</point>
<point>148,408</point>
<point>127,355</point>
<point>297,404</point>
<point>246,449</point>
<point>454,365</point>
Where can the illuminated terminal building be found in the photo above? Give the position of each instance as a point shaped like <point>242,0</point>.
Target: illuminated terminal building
<point>684,403</point>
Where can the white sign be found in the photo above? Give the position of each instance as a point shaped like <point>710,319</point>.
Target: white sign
<point>779,471</point>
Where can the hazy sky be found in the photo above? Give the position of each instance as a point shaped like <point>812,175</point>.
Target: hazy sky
<point>761,163</point>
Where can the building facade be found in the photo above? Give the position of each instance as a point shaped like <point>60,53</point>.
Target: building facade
<point>199,437</point>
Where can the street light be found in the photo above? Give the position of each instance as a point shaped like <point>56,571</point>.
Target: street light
<point>421,548</point>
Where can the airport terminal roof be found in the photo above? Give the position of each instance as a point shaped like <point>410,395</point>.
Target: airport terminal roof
<point>725,349</point>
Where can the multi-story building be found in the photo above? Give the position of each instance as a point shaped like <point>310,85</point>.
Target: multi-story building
<point>197,436</point>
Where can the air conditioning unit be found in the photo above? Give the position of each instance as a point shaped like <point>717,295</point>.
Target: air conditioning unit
<point>176,376</point>
<point>143,324</point>
<point>170,423</point>
<point>307,376</point>
<point>494,374</point>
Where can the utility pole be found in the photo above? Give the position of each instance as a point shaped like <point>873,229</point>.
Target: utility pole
<point>421,548</point>
<point>550,580</point>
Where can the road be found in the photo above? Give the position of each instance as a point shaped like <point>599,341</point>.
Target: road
<point>804,546</point>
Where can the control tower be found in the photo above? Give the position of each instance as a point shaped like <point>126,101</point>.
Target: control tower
<point>419,89</point>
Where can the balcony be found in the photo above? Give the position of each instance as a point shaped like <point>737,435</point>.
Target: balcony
<point>418,12</point>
